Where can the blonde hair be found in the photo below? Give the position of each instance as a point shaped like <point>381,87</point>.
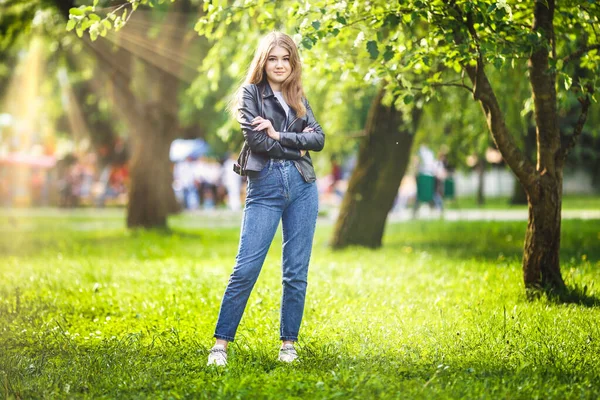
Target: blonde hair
<point>291,88</point>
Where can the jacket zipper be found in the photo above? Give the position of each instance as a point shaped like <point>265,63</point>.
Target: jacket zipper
<point>291,123</point>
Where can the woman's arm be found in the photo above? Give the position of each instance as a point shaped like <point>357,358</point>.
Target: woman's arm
<point>259,141</point>
<point>314,139</point>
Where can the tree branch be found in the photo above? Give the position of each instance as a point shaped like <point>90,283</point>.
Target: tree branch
<point>572,140</point>
<point>580,52</point>
<point>484,93</point>
<point>460,85</point>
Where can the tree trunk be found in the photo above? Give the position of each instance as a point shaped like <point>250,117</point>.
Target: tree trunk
<point>541,262</point>
<point>152,123</point>
<point>151,193</point>
<point>382,161</point>
<point>542,182</point>
<point>151,118</point>
<point>151,189</point>
<point>481,181</point>
<point>519,195</point>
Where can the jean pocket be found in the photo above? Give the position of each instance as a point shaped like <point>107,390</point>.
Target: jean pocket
<point>255,176</point>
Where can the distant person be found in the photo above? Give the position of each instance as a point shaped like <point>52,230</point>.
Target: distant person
<point>208,172</point>
<point>184,175</point>
<point>428,169</point>
<point>446,176</point>
<point>440,178</point>
<point>279,128</point>
<point>336,176</point>
<point>115,180</point>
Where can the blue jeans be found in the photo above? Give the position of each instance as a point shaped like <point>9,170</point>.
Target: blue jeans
<point>278,192</point>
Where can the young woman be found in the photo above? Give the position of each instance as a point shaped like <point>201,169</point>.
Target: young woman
<point>279,128</point>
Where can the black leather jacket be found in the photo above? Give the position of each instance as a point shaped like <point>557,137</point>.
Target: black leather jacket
<point>259,100</point>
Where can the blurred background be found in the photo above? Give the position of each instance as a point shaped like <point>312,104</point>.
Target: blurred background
<point>138,117</point>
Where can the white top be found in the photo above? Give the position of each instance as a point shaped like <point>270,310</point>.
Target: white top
<point>282,102</point>
<point>427,165</point>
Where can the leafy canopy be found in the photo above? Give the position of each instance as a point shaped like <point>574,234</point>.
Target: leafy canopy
<point>401,42</point>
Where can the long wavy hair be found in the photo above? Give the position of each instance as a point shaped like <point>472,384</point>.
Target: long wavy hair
<point>291,88</point>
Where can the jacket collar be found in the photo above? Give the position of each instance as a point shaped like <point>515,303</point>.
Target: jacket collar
<point>265,89</point>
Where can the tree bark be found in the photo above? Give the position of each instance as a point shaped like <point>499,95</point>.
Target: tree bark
<point>382,161</point>
<point>149,110</point>
<point>519,195</point>
<point>541,262</point>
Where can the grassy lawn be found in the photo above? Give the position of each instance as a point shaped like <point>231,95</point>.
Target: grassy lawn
<point>90,310</point>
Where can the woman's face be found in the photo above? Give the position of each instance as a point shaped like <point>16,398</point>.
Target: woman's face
<point>278,67</point>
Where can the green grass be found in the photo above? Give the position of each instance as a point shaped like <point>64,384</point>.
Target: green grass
<point>90,310</point>
<point>501,203</point>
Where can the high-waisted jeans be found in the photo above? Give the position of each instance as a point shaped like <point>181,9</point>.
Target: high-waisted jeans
<point>276,193</point>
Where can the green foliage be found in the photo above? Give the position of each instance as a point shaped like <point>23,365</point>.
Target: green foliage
<point>85,18</point>
<point>414,40</point>
<point>415,48</point>
<point>422,38</point>
<point>89,309</point>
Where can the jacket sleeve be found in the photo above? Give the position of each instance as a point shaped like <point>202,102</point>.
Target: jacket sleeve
<point>314,140</point>
<point>259,141</point>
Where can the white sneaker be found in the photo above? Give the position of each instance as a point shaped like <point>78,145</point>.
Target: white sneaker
<point>217,356</point>
<point>287,353</point>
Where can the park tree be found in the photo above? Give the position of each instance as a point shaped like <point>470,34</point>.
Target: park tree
<point>467,39</point>
<point>145,76</point>
<point>140,71</point>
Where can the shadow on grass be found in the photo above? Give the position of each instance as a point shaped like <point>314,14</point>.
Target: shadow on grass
<point>501,241</point>
<point>492,240</point>
<point>575,294</point>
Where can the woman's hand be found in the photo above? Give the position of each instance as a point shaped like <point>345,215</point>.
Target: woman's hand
<point>307,129</point>
<point>260,124</point>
